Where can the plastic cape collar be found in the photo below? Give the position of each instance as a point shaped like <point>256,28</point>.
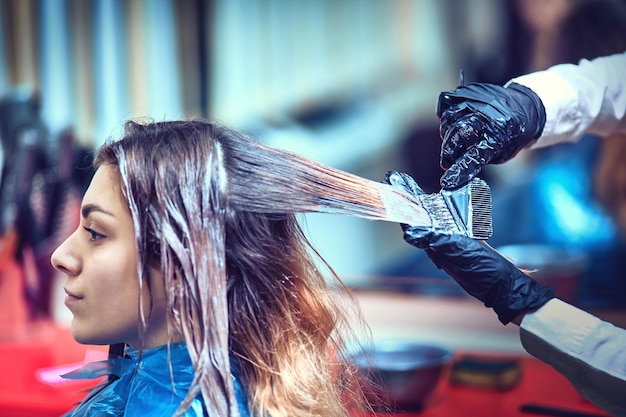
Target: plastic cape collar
<point>144,387</point>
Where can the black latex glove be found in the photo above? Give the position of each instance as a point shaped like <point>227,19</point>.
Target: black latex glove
<point>482,124</point>
<point>476,266</point>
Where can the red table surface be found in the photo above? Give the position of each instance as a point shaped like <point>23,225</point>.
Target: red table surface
<point>22,394</point>
<point>540,384</point>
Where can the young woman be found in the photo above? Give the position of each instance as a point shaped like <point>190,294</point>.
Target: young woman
<point>189,256</point>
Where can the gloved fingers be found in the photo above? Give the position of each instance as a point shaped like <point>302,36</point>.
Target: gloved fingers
<point>418,236</point>
<point>467,166</point>
<point>446,250</point>
<point>459,251</point>
<point>404,182</point>
<point>508,151</point>
<point>449,244</point>
<point>439,240</point>
<point>480,94</point>
<point>452,98</point>
<point>444,102</point>
<point>460,129</point>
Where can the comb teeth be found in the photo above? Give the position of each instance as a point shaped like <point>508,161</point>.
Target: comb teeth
<point>481,224</point>
<point>466,210</point>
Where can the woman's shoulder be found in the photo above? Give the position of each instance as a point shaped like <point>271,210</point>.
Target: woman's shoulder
<point>167,385</point>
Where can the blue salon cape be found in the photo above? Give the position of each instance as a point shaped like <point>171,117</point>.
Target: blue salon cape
<point>145,388</point>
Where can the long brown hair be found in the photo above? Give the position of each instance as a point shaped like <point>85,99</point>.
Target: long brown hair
<point>215,209</point>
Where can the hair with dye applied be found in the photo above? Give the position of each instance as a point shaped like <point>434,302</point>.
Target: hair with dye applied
<point>215,210</point>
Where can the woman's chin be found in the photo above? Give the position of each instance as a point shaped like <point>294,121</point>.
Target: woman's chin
<point>87,338</point>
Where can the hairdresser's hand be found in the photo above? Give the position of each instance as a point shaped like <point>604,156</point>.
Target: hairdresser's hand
<point>485,124</point>
<point>478,268</point>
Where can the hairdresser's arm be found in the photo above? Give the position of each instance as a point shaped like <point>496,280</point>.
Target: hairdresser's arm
<point>478,268</point>
<point>586,98</point>
<point>587,351</point>
<point>485,124</point>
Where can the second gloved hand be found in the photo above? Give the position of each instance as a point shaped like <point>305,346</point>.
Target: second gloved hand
<point>482,124</point>
<point>477,267</point>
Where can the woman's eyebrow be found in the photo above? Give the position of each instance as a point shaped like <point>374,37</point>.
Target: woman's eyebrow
<point>87,209</point>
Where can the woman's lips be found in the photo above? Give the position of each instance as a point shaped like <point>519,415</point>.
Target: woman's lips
<point>71,298</point>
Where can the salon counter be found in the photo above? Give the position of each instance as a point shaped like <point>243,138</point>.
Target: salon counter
<point>540,386</point>
<point>461,323</point>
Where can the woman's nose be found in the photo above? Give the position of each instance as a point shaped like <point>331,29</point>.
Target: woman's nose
<point>64,259</point>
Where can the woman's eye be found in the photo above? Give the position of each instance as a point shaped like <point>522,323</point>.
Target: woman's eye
<point>94,235</point>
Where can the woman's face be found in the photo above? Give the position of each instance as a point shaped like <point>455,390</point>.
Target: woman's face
<point>100,261</point>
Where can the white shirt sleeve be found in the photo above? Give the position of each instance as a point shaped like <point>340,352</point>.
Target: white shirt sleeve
<point>589,352</point>
<point>586,98</point>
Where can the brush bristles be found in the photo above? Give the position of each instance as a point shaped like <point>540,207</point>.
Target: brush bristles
<point>402,207</point>
<point>441,215</point>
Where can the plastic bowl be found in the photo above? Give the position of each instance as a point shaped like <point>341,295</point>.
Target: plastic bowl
<point>403,374</point>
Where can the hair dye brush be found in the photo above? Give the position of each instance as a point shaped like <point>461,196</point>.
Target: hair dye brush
<point>466,210</point>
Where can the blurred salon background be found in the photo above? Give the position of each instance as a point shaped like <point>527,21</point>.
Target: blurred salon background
<point>350,83</point>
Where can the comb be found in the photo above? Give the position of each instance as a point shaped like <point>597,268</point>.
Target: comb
<point>466,210</point>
